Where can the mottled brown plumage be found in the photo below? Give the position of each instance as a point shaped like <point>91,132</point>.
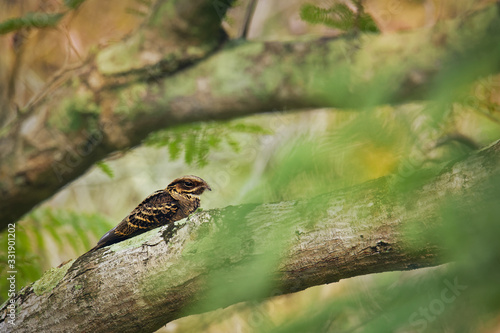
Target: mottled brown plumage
<point>175,202</point>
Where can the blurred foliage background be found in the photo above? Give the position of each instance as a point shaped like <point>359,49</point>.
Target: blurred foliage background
<point>278,156</point>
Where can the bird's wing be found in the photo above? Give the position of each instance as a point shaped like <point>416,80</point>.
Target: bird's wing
<point>156,210</point>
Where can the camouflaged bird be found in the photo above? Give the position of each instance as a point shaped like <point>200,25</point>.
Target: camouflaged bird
<point>175,202</point>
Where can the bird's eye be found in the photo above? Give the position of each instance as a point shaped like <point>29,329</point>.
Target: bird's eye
<point>188,184</point>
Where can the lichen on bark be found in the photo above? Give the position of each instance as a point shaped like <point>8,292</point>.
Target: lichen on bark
<point>51,278</point>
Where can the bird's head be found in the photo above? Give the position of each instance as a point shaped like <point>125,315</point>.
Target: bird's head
<point>189,185</point>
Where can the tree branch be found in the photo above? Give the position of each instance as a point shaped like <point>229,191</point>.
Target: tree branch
<point>113,104</point>
<point>162,275</point>
<point>65,129</point>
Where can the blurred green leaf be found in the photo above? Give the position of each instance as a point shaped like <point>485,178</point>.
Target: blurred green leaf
<point>73,4</point>
<point>197,140</point>
<point>173,148</point>
<point>30,20</point>
<point>105,168</point>
<point>338,16</point>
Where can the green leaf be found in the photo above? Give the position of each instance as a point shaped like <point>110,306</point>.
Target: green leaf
<point>30,20</point>
<point>190,149</point>
<point>366,23</point>
<point>174,148</point>
<point>338,16</point>
<point>197,140</point>
<point>106,169</point>
<point>250,128</point>
<point>40,240</point>
<point>235,146</point>
<point>77,222</point>
<point>73,4</point>
<point>202,153</point>
<point>55,235</point>
<point>213,140</point>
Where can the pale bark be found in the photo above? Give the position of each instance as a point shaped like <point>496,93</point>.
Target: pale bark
<point>116,104</point>
<point>145,282</point>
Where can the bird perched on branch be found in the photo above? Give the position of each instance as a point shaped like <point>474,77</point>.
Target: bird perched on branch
<point>175,202</point>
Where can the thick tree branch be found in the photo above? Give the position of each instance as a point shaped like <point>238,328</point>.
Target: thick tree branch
<point>113,104</point>
<point>152,279</point>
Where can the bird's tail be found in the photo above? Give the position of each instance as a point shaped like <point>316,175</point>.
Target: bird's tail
<point>98,246</point>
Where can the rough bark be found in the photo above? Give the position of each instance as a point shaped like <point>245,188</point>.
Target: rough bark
<point>145,282</point>
<point>116,98</point>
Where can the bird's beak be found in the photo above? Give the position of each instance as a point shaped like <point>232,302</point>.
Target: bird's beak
<point>208,187</point>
